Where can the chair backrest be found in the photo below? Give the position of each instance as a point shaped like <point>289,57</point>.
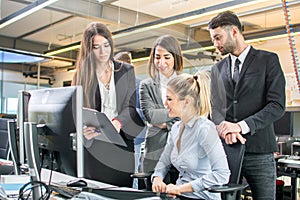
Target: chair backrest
<point>235,155</point>
<point>4,147</point>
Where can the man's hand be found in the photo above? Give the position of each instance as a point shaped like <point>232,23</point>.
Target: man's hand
<point>231,138</point>
<point>227,127</point>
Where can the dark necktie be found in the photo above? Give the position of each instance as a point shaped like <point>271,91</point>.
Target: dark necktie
<point>235,76</point>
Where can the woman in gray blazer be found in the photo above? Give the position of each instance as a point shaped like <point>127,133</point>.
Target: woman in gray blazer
<point>165,62</point>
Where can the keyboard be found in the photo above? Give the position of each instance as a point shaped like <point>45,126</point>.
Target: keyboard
<point>64,191</point>
<point>293,157</point>
<point>129,194</point>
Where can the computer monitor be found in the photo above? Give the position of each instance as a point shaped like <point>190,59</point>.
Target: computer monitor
<point>55,126</point>
<point>284,125</point>
<point>288,125</point>
<point>22,116</point>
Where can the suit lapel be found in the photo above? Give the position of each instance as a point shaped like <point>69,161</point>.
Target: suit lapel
<point>119,88</point>
<point>228,71</point>
<point>157,90</point>
<point>247,62</point>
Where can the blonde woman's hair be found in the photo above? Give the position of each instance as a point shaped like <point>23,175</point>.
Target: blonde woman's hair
<point>196,86</point>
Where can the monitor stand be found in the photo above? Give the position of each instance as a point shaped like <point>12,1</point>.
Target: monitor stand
<point>32,152</point>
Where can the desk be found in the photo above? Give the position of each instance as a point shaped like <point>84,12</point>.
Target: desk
<point>63,178</point>
<point>291,168</point>
<point>95,187</point>
<point>113,192</point>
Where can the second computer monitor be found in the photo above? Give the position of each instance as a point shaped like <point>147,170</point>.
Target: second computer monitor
<point>54,115</point>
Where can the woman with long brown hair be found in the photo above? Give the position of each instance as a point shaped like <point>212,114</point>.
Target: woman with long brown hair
<point>109,87</point>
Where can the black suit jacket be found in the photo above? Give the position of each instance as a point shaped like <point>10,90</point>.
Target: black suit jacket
<point>132,124</point>
<point>102,159</point>
<point>258,98</point>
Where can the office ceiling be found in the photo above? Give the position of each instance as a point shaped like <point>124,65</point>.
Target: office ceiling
<point>62,23</point>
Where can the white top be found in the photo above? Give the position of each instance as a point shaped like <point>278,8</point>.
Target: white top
<point>108,97</point>
<point>163,81</point>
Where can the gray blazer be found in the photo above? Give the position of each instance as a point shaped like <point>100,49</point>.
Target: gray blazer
<point>258,98</point>
<point>155,113</point>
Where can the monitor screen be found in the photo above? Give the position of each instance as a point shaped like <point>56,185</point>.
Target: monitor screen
<point>56,113</point>
<point>284,125</point>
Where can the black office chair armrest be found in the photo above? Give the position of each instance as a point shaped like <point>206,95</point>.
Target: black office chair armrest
<point>225,188</point>
<point>141,175</point>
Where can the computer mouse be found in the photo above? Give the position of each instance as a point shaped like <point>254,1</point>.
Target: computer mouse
<point>77,183</point>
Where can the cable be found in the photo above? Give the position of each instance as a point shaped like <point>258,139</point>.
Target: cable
<point>30,186</point>
<point>291,40</point>
<point>51,168</point>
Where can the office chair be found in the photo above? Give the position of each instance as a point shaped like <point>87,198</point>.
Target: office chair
<point>146,176</point>
<point>4,147</point>
<point>235,155</point>
<point>143,176</point>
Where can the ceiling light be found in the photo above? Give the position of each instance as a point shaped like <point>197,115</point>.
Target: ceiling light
<point>31,8</point>
<point>272,37</point>
<point>63,49</point>
<point>140,59</point>
<point>185,17</point>
<point>247,41</point>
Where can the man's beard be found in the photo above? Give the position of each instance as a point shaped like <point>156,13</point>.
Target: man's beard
<point>228,47</point>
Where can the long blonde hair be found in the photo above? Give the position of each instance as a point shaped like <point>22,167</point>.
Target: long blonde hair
<point>196,86</point>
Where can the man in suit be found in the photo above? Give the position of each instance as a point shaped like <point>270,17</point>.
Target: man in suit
<point>248,95</point>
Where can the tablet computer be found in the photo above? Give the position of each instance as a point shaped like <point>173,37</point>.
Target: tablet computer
<point>108,133</point>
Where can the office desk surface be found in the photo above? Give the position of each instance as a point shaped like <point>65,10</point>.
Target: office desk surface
<point>63,179</point>
<point>291,168</point>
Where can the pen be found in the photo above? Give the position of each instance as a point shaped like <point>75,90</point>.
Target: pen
<point>97,131</point>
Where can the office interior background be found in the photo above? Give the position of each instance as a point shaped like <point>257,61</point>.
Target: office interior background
<point>39,40</point>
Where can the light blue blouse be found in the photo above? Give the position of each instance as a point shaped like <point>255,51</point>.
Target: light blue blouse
<point>201,160</point>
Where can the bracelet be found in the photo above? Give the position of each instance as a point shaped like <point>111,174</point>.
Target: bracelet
<point>118,121</point>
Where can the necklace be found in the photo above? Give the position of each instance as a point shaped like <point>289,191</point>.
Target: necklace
<point>107,85</point>
<point>105,76</point>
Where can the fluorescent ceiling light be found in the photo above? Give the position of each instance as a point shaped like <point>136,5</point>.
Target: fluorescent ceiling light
<point>140,59</point>
<point>272,37</point>
<point>247,41</point>
<point>31,8</point>
<point>63,49</point>
<point>166,22</point>
<point>186,17</point>
<point>77,46</point>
